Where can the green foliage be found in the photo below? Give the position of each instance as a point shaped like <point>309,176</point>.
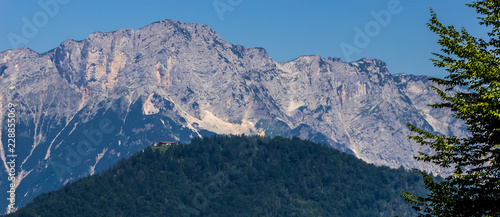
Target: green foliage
<point>161,149</point>
<point>474,187</point>
<point>235,176</point>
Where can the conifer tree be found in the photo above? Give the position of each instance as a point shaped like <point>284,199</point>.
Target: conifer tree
<point>473,63</point>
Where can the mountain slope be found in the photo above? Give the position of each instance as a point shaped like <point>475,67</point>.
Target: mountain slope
<point>86,104</point>
<point>235,176</point>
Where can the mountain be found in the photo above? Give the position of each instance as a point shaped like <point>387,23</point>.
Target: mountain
<point>87,104</point>
<point>235,176</point>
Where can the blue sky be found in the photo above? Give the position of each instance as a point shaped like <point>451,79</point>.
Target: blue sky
<point>286,29</point>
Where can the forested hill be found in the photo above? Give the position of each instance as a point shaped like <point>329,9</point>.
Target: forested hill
<point>234,176</point>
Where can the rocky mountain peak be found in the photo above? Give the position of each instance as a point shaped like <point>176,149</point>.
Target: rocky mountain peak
<point>371,65</point>
<point>171,81</point>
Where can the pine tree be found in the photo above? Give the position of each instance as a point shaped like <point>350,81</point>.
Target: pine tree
<point>473,63</point>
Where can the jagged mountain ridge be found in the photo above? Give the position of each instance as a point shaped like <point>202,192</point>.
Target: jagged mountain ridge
<point>174,81</point>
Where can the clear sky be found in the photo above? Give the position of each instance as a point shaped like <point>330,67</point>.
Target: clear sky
<point>287,29</point>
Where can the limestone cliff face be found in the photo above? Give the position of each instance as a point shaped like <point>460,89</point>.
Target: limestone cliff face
<point>87,104</point>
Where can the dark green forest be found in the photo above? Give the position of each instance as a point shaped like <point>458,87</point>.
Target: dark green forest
<point>235,176</point>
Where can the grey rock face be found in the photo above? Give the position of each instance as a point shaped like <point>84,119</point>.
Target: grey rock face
<point>87,104</point>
